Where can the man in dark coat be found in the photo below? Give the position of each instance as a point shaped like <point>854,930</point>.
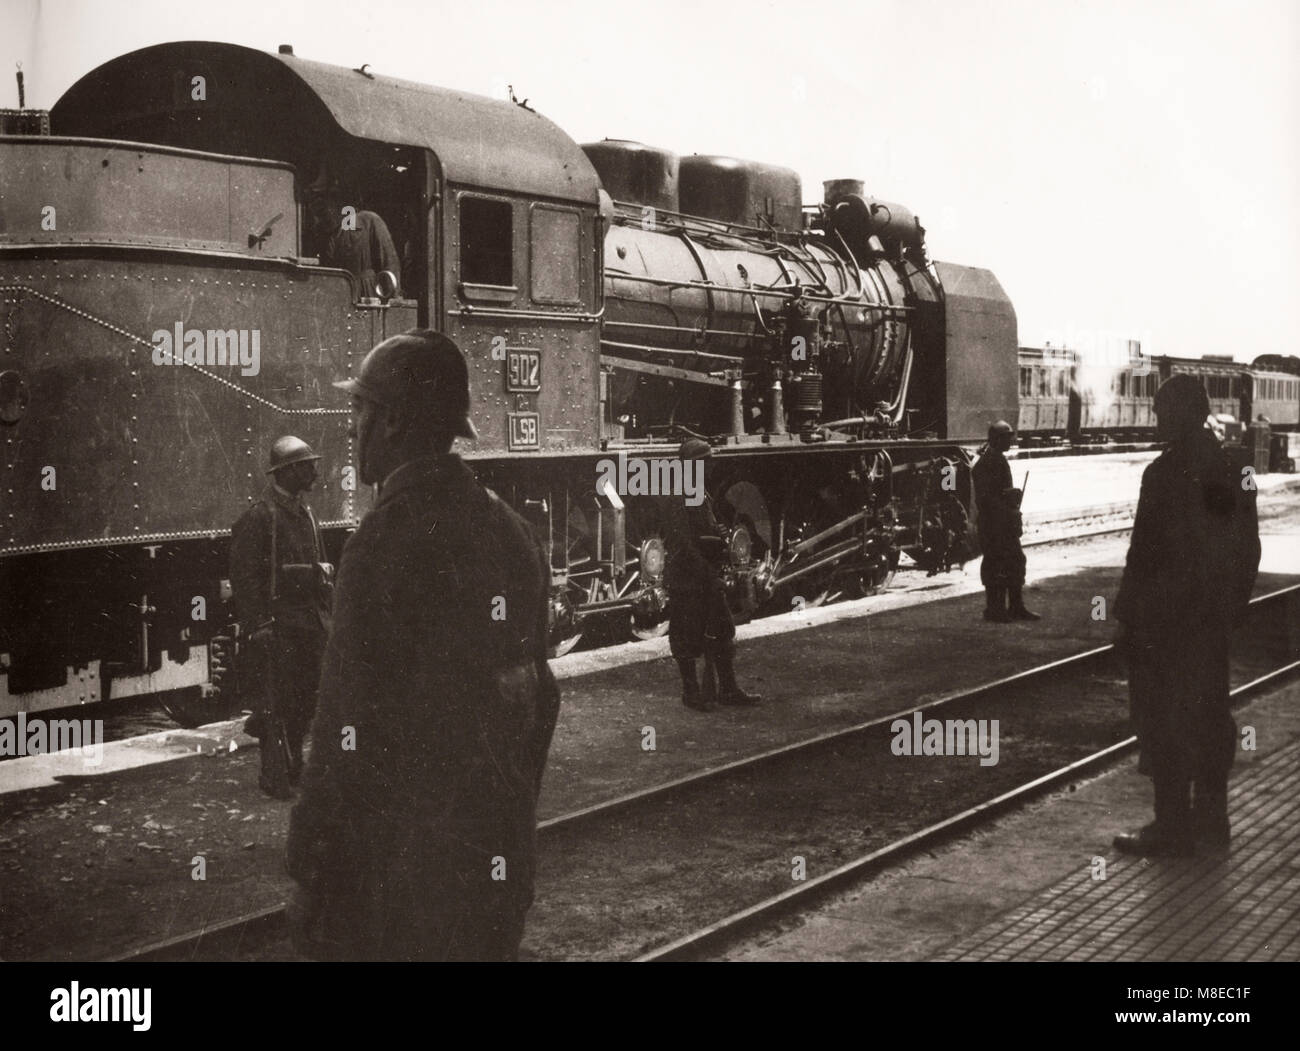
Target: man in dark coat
<point>356,241</point>
<point>414,836</point>
<point>1190,571</point>
<point>997,502</point>
<point>699,619</point>
<point>279,581</point>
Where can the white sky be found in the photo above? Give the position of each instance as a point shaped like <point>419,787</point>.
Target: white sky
<point>1127,168</point>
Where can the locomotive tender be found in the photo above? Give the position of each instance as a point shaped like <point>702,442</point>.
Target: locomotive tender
<point>611,300</point>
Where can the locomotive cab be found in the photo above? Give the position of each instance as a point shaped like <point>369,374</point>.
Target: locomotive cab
<point>181,311</point>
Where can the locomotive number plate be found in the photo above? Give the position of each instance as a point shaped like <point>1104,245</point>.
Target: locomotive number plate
<point>525,430</point>
<point>523,370</point>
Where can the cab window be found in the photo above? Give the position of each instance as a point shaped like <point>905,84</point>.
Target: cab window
<point>556,250</point>
<point>486,241</point>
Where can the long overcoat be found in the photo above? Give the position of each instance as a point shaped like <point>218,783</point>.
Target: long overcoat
<point>996,502</point>
<point>414,834</point>
<point>296,609</point>
<point>1188,578</point>
<point>698,615</point>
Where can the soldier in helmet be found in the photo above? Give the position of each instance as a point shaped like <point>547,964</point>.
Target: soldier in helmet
<point>413,838</point>
<point>1191,567</point>
<point>699,619</point>
<point>279,578</point>
<point>998,503</point>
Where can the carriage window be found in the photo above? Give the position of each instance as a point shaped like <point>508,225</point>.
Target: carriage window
<point>486,241</point>
<point>1123,384</point>
<point>556,251</point>
<point>1026,382</point>
<point>1043,389</point>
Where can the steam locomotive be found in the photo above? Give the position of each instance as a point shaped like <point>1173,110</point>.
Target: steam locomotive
<point>164,315</point>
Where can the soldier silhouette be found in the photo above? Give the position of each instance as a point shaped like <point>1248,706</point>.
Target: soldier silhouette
<point>699,620</point>
<point>998,502</point>
<point>280,582</point>
<point>1187,581</point>
<point>413,838</point>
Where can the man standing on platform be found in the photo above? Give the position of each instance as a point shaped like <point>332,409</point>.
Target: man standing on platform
<point>279,580</point>
<point>997,502</point>
<point>699,619</point>
<point>414,838</point>
<point>1190,572</point>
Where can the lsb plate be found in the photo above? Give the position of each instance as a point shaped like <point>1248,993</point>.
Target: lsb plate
<point>524,431</point>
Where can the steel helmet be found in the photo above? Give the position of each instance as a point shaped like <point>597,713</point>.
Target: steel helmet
<point>1001,427</point>
<point>421,372</point>
<point>289,450</point>
<point>1183,394</point>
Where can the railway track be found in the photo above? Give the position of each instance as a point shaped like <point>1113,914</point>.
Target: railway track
<point>730,930</point>
<point>133,718</point>
<point>1078,524</point>
<point>818,761</point>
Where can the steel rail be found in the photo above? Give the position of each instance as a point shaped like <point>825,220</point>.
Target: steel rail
<point>735,927</point>
<point>1065,538</point>
<point>268,919</point>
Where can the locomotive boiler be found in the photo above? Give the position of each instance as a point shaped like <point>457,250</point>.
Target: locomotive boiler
<point>611,300</point>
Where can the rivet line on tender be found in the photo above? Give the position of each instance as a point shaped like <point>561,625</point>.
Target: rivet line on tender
<point>54,300</point>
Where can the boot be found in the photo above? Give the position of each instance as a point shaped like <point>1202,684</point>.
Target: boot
<point>729,692</point>
<point>709,683</point>
<point>274,779</point>
<point>1170,834</point>
<point>995,604</point>
<point>295,758</point>
<point>691,696</point>
<point>1018,611</point>
<point>1210,823</point>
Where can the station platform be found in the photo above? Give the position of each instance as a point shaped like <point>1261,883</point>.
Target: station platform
<point>94,860</point>
<point>1045,883</point>
<point>1240,904</point>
